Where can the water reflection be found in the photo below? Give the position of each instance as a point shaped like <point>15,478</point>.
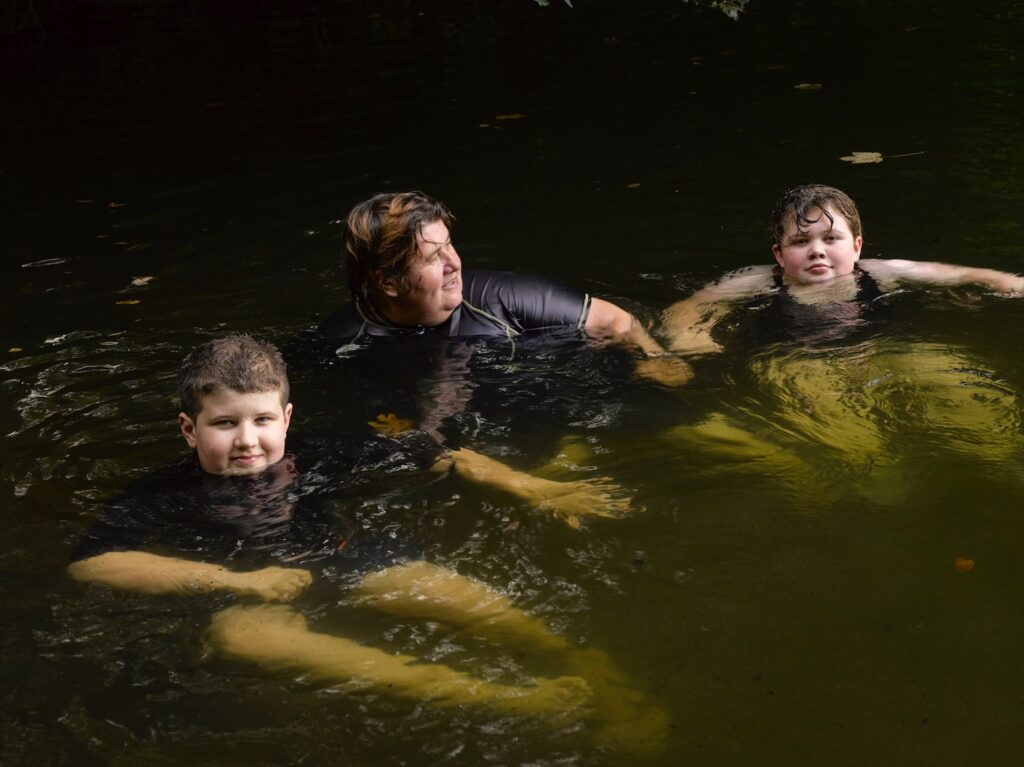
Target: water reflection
<point>762,630</point>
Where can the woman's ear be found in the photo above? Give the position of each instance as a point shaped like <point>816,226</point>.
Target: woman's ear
<point>384,285</point>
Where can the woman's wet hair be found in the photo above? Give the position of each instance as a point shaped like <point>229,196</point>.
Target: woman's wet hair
<point>807,204</point>
<point>380,238</point>
<point>240,363</point>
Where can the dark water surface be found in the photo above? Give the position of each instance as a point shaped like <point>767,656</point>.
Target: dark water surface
<point>788,594</point>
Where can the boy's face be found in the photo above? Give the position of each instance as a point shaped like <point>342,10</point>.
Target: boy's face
<point>237,433</point>
<point>818,252</point>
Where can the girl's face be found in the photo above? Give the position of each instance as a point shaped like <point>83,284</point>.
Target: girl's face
<point>819,252</point>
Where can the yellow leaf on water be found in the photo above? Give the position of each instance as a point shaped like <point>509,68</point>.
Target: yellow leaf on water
<point>632,186</point>
<point>859,158</point>
<point>513,116</point>
<point>116,204</point>
<point>14,349</point>
<point>390,424</point>
<point>808,86</point>
<point>963,564</point>
<point>138,282</point>
<point>130,301</point>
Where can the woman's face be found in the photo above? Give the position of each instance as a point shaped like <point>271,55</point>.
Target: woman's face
<point>434,280</point>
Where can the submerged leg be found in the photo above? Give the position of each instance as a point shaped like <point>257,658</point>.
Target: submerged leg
<point>626,721</point>
<point>277,638</point>
<point>424,590</point>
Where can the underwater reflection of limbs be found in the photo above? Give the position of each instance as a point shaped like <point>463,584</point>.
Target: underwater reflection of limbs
<point>625,719</point>
<point>278,639</point>
<point>568,500</point>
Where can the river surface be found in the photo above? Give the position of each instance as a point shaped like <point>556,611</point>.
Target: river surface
<point>824,561</point>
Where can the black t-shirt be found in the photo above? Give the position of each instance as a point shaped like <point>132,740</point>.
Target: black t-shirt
<point>499,304</point>
<point>293,513</point>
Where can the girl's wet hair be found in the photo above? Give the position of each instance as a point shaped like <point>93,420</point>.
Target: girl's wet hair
<point>239,362</point>
<point>380,237</point>
<point>807,204</point>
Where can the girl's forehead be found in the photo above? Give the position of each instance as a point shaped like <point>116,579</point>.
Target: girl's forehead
<point>815,215</point>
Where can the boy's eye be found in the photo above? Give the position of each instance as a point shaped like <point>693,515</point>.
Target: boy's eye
<point>224,422</point>
<point>264,419</point>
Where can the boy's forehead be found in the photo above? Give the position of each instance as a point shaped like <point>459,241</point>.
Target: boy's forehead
<point>226,397</point>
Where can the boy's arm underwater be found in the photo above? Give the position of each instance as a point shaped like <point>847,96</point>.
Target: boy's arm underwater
<point>568,500</point>
<point>147,573</point>
<point>687,324</point>
<point>892,272</point>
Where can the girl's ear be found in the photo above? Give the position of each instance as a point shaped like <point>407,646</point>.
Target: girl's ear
<point>777,252</point>
<point>858,243</point>
<point>188,429</point>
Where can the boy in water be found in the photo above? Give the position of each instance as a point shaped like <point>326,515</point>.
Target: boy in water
<point>817,241</point>
<point>241,498</point>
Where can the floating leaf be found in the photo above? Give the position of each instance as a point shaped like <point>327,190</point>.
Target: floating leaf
<point>808,86</point>
<point>514,116</point>
<point>632,186</point>
<point>130,301</point>
<point>859,158</point>
<point>138,282</point>
<point>963,564</point>
<point>116,204</point>
<point>15,349</point>
<point>390,424</point>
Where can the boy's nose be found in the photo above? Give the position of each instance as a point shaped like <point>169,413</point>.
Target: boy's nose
<point>245,435</point>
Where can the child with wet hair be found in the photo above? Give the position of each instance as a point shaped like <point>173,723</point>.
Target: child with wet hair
<point>829,387</point>
<point>817,241</point>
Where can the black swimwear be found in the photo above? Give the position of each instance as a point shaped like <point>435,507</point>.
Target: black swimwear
<point>287,515</point>
<point>494,304</point>
<point>780,317</point>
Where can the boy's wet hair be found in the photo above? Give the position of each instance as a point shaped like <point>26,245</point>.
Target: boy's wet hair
<point>240,363</point>
<point>380,237</point>
<point>807,204</point>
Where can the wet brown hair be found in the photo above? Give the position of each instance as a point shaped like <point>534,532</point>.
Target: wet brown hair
<point>380,237</point>
<point>240,363</point>
<point>801,202</point>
